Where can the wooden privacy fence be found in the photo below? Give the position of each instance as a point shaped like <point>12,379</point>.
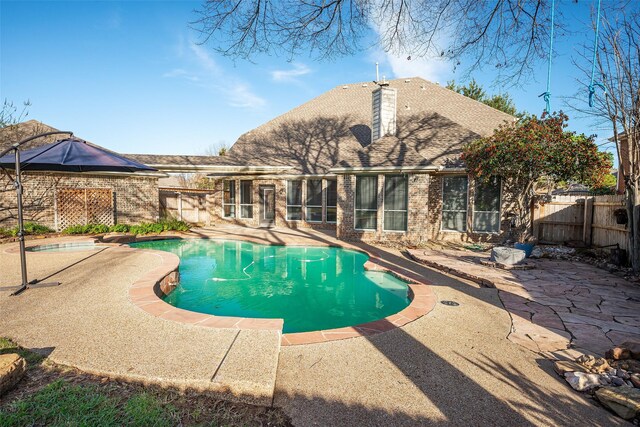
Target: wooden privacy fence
<point>587,219</point>
<point>187,205</point>
<point>82,206</point>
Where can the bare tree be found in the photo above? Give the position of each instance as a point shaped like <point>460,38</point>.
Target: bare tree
<point>506,34</point>
<point>10,114</point>
<point>219,148</point>
<point>617,65</point>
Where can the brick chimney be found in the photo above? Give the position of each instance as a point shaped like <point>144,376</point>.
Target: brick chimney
<point>384,111</point>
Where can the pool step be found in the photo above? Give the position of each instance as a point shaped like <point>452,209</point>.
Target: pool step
<point>248,370</point>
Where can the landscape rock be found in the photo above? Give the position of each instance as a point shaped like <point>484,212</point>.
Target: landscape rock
<point>586,360</point>
<point>617,381</point>
<point>624,401</point>
<point>536,253</point>
<point>507,256</point>
<point>629,365</point>
<point>12,369</point>
<point>618,353</point>
<point>622,374</point>
<point>600,365</point>
<point>624,351</point>
<point>563,366</point>
<point>633,347</point>
<point>582,381</point>
<point>635,380</point>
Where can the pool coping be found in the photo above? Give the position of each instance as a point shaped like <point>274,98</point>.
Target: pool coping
<point>146,293</point>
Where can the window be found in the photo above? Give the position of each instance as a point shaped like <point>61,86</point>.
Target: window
<point>454,203</point>
<point>314,200</point>
<point>332,199</point>
<point>486,206</point>
<point>294,200</point>
<point>246,199</point>
<point>229,199</point>
<point>366,202</point>
<point>395,203</point>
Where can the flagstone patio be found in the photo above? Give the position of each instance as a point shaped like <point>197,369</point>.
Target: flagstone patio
<point>555,306</point>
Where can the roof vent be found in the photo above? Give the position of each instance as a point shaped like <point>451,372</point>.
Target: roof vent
<point>407,80</point>
<point>365,85</point>
<point>345,87</point>
<point>422,87</point>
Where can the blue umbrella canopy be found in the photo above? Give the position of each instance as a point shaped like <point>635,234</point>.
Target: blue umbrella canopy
<point>72,155</point>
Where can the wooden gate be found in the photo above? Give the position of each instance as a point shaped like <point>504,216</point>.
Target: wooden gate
<point>81,206</point>
<point>187,205</point>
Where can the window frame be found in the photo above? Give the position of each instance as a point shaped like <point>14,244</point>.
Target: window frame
<point>301,205</point>
<point>499,211</point>
<point>325,196</point>
<point>307,205</point>
<point>406,201</point>
<point>355,204</point>
<point>232,204</point>
<point>250,204</point>
<point>442,210</point>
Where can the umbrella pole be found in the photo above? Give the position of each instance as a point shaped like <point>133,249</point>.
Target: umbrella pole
<point>23,255</point>
<point>18,184</point>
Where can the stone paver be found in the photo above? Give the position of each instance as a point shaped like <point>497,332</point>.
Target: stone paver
<point>557,305</point>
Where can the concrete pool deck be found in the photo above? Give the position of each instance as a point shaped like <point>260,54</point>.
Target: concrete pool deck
<point>453,365</point>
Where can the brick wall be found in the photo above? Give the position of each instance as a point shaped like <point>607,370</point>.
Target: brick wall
<point>435,215</point>
<point>424,213</point>
<point>136,198</point>
<point>417,212</point>
<point>281,205</point>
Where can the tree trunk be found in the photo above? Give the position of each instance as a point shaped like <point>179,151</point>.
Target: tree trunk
<point>633,213</point>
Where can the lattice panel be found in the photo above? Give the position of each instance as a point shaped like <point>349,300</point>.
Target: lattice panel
<point>100,206</point>
<point>81,206</point>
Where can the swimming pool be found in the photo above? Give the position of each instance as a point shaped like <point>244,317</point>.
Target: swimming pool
<point>311,288</point>
<point>65,247</point>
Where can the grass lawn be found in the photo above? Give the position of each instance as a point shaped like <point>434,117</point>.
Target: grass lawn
<point>53,395</point>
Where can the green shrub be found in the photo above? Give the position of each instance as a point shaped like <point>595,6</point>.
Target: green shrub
<point>29,228</point>
<point>119,228</point>
<point>75,229</point>
<point>86,229</point>
<point>142,228</point>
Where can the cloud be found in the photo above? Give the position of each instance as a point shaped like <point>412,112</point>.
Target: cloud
<point>403,63</point>
<point>201,68</point>
<point>204,58</point>
<point>240,95</point>
<point>181,72</point>
<point>433,69</point>
<point>290,75</point>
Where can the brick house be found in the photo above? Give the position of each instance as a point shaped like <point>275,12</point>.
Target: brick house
<point>58,200</point>
<point>375,162</point>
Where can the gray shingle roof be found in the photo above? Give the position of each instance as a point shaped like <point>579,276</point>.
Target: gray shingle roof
<point>179,160</point>
<point>15,133</point>
<point>333,129</point>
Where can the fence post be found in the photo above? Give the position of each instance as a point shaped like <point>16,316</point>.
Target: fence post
<point>588,220</point>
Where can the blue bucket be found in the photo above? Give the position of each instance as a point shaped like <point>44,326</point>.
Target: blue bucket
<point>526,247</point>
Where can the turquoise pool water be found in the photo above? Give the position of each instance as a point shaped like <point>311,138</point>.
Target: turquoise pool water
<point>311,288</point>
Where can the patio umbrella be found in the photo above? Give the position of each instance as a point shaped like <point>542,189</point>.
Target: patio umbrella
<point>72,155</point>
<point>68,155</point>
